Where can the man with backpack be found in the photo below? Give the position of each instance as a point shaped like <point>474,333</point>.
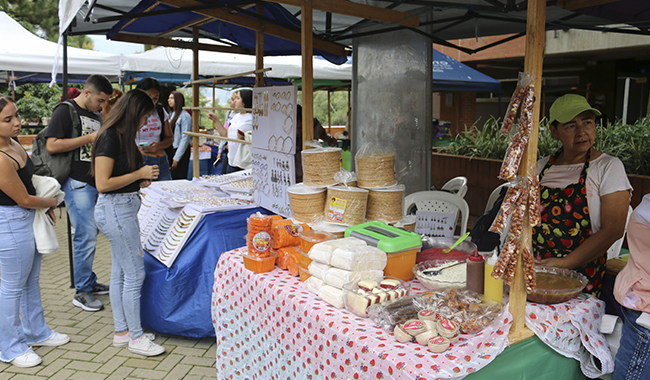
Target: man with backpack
<point>79,188</point>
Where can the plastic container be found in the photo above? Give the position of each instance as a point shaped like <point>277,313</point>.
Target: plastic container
<point>311,237</point>
<point>432,249</point>
<point>401,246</point>
<point>475,273</point>
<point>260,264</point>
<point>445,280</point>
<point>303,259</point>
<point>493,287</point>
<point>304,273</point>
<point>358,302</point>
<point>560,284</point>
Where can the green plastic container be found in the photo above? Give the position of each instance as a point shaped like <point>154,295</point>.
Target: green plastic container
<point>401,246</point>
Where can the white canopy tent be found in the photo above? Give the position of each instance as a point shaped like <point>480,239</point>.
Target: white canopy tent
<point>179,61</point>
<point>22,51</point>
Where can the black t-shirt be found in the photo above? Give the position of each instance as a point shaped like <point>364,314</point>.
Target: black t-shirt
<point>109,144</point>
<point>25,174</point>
<point>61,127</point>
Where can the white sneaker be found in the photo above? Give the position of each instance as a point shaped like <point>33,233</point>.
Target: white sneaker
<point>145,347</point>
<point>122,341</point>
<point>27,360</point>
<point>56,339</point>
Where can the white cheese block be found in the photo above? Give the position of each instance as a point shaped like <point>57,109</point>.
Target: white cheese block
<point>358,258</point>
<point>314,284</point>
<point>322,252</point>
<point>338,277</point>
<point>318,270</point>
<point>332,295</point>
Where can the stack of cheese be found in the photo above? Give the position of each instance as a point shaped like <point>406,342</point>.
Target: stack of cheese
<point>338,262</point>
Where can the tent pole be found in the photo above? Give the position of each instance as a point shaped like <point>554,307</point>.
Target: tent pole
<point>329,110</point>
<point>307,39</point>
<point>534,59</point>
<point>259,48</point>
<point>196,115</point>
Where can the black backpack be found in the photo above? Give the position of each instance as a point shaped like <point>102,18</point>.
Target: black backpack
<point>481,235</point>
<point>55,165</point>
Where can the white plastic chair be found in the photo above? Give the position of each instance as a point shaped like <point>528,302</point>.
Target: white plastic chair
<point>615,250</point>
<point>456,186</point>
<point>439,201</point>
<point>494,195</point>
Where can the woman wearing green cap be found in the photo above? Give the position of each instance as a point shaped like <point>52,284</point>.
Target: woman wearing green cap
<point>585,195</point>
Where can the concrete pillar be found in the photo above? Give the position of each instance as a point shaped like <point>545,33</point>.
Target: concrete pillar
<point>391,101</point>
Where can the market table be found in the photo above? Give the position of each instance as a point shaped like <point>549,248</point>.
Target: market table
<point>176,300</point>
<point>268,326</point>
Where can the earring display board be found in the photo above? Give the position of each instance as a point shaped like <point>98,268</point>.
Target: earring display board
<point>220,180</point>
<point>435,224</point>
<point>274,146</point>
<point>273,173</point>
<point>177,235</point>
<point>274,119</point>
<point>157,234</point>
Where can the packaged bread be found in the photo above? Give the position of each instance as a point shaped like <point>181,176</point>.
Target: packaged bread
<point>283,255</point>
<point>258,239</point>
<point>322,252</point>
<point>337,277</point>
<point>362,257</point>
<point>332,295</point>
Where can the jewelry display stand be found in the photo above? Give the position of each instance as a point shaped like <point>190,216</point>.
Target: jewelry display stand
<point>435,224</point>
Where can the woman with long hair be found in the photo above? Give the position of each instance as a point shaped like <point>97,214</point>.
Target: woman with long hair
<point>22,321</point>
<point>155,138</point>
<point>241,123</point>
<point>181,121</point>
<point>119,174</point>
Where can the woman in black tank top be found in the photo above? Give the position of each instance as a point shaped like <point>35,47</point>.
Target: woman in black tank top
<point>20,262</point>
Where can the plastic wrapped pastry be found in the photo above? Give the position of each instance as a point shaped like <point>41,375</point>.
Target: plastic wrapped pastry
<point>358,258</point>
<point>332,295</point>
<point>318,270</point>
<point>338,277</point>
<point>314,284</point>
<point>322,252</point>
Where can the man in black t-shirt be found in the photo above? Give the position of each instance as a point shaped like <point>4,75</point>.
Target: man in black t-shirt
<point>80,191</point>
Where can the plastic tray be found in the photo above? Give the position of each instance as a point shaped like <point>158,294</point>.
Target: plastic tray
<point>358,303</point>
<point>260,264</point>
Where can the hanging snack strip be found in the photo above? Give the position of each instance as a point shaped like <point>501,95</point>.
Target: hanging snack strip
<point>534,206</point>
<point>506,209</point>
<point>513,107</point>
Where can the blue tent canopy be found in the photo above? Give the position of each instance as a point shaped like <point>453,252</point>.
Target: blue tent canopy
<point>453,76</point>
<point>241,36</point>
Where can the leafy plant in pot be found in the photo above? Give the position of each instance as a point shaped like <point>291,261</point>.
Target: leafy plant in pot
<point>32,109</point>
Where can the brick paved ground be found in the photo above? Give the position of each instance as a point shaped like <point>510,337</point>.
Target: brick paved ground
<point>90,354</point>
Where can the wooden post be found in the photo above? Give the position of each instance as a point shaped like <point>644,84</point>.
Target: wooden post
<point>534,58</point>
<point>196,115</point>
<point>329,111</point>
<point>307,40</point>
<point>259,48</point>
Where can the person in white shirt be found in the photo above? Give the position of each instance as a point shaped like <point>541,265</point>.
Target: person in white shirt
<point>240,123</point>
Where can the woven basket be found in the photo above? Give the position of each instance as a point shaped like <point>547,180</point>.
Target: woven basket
<point>376,170</point>
<point>307,203</point>
<point>320,165</point>
<point>385,204</point>
<point>346,205</point>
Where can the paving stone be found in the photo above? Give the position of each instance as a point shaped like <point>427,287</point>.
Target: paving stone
<point>179,372</point>
<point>27,377</point>
<point>148,373</point>
<point>195,360</point>
<point>5,376</point>
<point>87,376</point>
<point>120,374</point>
<point>53,366</point>
<point>112,365</point>
<point>203,371</point>
<point>83,366</point>
<point>169,362</point>
<point>141,363</point>
<point>81,356</point>
<point>189,351</point>
<point>108,354</point>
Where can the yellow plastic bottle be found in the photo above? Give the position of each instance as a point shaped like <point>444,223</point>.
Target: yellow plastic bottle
<point>493,288</point>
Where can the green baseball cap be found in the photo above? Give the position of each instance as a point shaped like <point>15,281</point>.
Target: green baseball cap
<point>568,106</point>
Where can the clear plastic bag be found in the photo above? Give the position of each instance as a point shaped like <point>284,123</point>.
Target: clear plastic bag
<point>375,165</point>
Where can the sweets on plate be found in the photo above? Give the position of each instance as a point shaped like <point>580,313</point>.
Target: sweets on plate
<point>427,315</point>
<point>414,326</point>
<point>401,335</point>
<point>447,328</point>
<point>362,294</point>
<point>423,337</point>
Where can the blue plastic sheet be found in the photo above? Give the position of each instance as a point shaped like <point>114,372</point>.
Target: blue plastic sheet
<point>177,300</point>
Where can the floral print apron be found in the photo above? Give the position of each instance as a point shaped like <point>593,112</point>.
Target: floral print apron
<point>566,224</point>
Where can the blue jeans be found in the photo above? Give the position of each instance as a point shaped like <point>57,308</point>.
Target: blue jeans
<point>80,199</point>
<point>633,356</point>
<point>165,173</point>
<point>21,312</point>
<point>117,218</point>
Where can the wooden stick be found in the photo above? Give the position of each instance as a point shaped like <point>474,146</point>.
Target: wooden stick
<point>214,79</point>
<point>215,137</point>
<point>219,108</point>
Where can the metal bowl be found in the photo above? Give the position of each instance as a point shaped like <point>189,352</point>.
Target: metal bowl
<point>549,296</point>
<point>432,249</point>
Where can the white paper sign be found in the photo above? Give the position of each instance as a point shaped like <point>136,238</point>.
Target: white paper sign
<point>273,173</point>
<point>435,224</point>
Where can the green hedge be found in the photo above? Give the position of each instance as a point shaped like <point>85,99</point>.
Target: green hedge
<point>629,142</point>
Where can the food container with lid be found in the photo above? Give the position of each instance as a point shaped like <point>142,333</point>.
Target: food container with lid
<point>359,299</point>
<point>311,237</point>
<point>401,246</point>
<point>260,264</point>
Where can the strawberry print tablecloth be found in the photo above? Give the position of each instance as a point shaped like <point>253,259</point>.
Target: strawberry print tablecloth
<point>572,329</point>
<point>268,326</point>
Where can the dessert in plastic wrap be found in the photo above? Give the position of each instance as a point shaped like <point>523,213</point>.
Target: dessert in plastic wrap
<point>362,294</point>
<point>322,252</point>
<point>375,165</point>
<point>258,239</point>
<point>462,307</point>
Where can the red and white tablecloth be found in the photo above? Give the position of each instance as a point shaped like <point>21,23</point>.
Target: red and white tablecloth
<point>268,326</point>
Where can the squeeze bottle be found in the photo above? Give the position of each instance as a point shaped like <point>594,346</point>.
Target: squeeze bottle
<point>493,287</point>
<point>475,273</point>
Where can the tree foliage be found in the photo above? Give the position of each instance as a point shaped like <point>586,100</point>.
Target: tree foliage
<point>338,107</point>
